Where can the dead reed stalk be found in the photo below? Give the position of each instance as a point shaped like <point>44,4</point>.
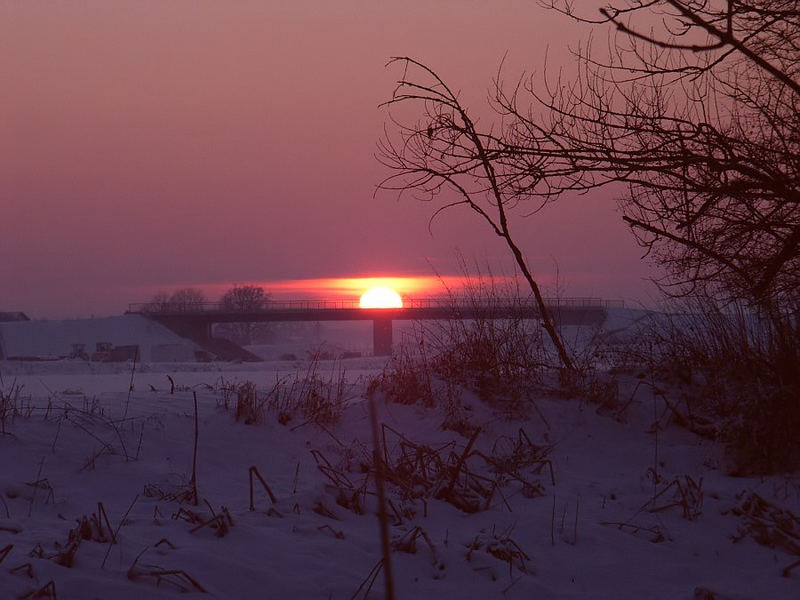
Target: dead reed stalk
<point>253,471</point>
<point>193,481</point>
<point>383,518</point>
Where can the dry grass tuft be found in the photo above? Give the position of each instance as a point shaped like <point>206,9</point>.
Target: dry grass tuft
<point>687,494</point>
<point>309,397</point>
<point>767,523</point>
<point>502,547</point>
<point>469,479</point>
<point>176,578</point>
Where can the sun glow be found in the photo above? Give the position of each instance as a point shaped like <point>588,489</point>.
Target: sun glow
<point>381,297</point>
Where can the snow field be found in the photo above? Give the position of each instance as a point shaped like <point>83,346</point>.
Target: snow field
<point>591,535</point>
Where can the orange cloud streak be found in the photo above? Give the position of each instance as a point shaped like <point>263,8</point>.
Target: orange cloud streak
<point>353,287</point>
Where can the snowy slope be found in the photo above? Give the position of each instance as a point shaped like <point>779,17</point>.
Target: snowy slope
<point>634,507</point>
<point>592,534</point>
<point>53,339</point>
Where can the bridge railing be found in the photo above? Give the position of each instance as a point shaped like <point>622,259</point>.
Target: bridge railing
<point>346,303</point>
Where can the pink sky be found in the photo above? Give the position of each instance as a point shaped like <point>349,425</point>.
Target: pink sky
<point>156,144</point>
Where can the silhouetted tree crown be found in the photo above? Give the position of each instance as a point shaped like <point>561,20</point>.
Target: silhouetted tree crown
<point>694,114</point>
<point>183,299</point>
<point>244,298</point>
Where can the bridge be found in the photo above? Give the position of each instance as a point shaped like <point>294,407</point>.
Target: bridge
<point>195,320</point>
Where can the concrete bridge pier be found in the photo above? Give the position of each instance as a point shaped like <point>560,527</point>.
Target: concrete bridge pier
<point>382,337</point>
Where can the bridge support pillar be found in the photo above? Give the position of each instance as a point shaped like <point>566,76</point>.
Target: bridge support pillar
<point>382,337</point>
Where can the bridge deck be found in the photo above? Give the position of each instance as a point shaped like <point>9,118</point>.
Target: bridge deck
<point>348,310</point>
<point>195,321</point>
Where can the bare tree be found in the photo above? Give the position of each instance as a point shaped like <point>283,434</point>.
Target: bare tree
<point>445,151</point>
<point>187,300</point>
<point>243,299</point>
<point>159,302</point>
<point>694,112</point>
<point>181,300</point>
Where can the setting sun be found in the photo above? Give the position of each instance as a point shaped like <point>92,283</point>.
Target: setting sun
<point>380,297</point>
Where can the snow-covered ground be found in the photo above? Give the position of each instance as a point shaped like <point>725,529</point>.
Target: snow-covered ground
<point>634,507</point>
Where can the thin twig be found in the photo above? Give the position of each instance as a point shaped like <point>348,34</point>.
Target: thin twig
<point>130,385</point>
<point>116,532</point>
<point>254,471</point>
<point>383,518</point>
<point>36,486</point>
<point>193,481</point>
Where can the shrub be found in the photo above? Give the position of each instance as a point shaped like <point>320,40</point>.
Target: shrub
<point>494,357</point>
<point>740,368</point>
<point>308,395</point>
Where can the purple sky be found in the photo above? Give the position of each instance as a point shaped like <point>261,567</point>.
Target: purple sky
<point>151,145</point>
